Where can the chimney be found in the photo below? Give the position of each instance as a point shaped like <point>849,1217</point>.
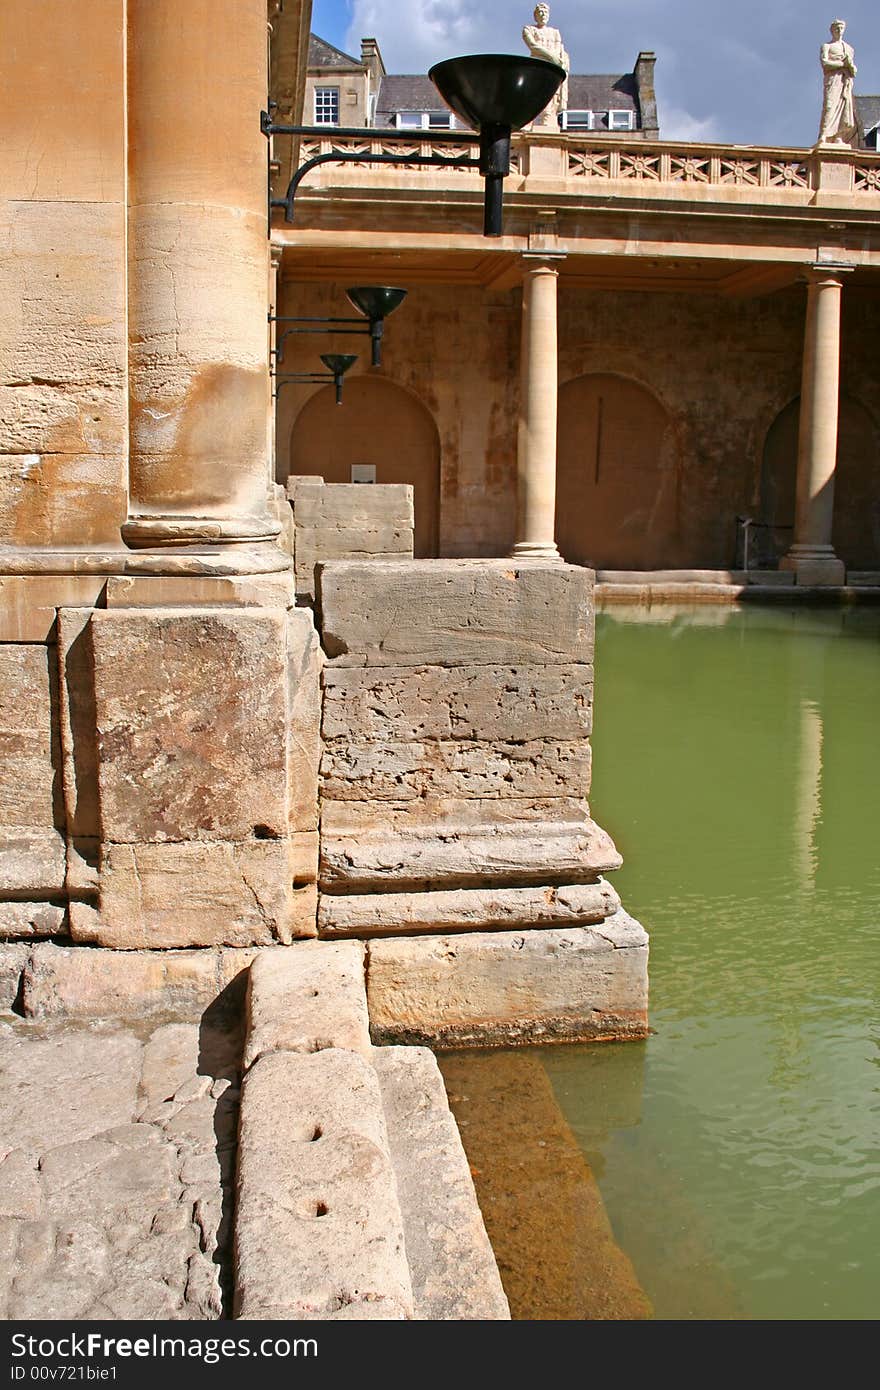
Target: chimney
<point>644,75</point>
<point>372,61</point>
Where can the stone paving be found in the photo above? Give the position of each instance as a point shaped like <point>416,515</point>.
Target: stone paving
<point>117,1165</point>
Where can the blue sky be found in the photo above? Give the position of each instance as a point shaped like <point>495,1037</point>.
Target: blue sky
<point>747,75</point>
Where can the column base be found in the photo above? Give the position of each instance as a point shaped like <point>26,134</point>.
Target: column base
<point>535,550</point>
<point>814,566</point>
<point>154,532</point>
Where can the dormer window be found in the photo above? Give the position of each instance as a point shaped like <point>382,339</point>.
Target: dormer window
<point>326,106</point>
<point>576,120</point>
<point>620,120</point>
<point>423,120</point>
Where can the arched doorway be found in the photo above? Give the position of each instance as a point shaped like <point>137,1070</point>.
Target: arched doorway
<point>856,531</point>
<point>378,423</point>
<point>617,480</point>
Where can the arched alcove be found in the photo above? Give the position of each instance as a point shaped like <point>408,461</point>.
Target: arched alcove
<point>617,480</point>
<point>856,531</point>
<point>378,423</point>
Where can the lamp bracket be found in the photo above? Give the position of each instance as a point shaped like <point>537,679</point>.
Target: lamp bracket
<point>268,127</point>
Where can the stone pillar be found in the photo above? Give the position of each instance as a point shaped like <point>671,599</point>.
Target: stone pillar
<point>811,555</point>
<point>539,391</point>
<point>198,266</point>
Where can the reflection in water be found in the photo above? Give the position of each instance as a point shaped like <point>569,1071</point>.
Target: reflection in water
<point>808,795</point>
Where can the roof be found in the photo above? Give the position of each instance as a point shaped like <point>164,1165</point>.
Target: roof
<point>323,55</point>
<point>603,92</point>
<point>403,92</point>
<point>868,111</point>
<point>416,92</point>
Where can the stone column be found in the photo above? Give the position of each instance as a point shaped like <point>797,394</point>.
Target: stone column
<point>811,555</point>
<point>198,268</point>
<point>539,391</point>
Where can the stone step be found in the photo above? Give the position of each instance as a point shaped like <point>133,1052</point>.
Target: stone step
<point>451,1264</point>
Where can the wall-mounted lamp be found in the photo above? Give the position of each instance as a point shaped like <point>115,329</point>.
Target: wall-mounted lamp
<point>494,92</point>
<point>337,365</point>
<point>374,302</point>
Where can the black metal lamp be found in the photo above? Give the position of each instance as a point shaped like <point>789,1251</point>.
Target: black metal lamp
<point>496,93</point>
<point>375,302</point>
<point>337,365</point>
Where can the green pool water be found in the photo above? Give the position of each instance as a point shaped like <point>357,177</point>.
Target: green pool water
<point>737,765</point>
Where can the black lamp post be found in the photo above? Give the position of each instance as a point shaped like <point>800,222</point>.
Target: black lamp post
<point>375,302</point>
<point>496,93</point>
<point>337,365</point>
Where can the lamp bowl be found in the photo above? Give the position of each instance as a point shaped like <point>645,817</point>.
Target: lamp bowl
<point>375,301</point>
<point>497,88</point>
<point>338,362</point>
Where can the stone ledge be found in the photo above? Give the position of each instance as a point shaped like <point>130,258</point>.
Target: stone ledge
<point>464,909</point>
<point>502,989</point>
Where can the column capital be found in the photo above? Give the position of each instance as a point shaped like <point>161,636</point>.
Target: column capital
<point>827,270</point>
<point>542,260</point>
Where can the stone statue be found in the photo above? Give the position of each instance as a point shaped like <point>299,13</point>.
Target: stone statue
<point>544,42</point>
<point>838,125</point>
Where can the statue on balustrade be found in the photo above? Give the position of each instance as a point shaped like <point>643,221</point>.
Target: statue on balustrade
<point>838,125</point>
<point>544,42</point>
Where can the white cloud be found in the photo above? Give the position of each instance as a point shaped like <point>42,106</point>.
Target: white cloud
<point>752,70</point>
<point>679,124</point>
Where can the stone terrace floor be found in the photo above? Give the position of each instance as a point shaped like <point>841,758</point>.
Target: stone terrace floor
<point>117,1164</point>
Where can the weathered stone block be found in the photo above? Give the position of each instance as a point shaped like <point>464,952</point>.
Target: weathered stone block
<point>500,703</point>
<point>305,662</point>
<point>28,750</point>
<point>306,998</point>
<point>464,909</point>
<point>191,708</point>
<point>504,988</point>
<point>318,1229</point>
<point>202,893</point>
<point>31,860</point>
<point>78,982</point>
<point>463,843</point>
<point>451,1264</point>
<point>20,920</point>
<point>347,521</point>
<point>455,613</point>
<point>355,771</point>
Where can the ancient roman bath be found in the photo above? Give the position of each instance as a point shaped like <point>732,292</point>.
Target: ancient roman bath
<point>737,762</point>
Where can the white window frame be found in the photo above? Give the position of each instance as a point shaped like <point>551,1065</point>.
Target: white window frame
<point>320,107</point>
<point>627,121</point>
<point>421,120</point>
<point>566,123</point>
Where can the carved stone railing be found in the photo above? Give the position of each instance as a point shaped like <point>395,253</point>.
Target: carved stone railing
<point>640,167</point>
<point>374,144</point>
